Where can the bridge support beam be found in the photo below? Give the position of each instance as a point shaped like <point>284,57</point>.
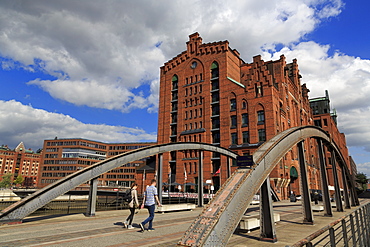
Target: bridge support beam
<point>338,197</point>
<point>305,192</point>
<point>267,222</point>
<point>228,164</point>
<point>200,180</point>
<point>352,192</point>
<point>324,180</point>
<point>160,177</point>
<point>91,202</point>
<point>345,190</point>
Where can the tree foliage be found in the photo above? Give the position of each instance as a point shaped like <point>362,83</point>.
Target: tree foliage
<point>6,180</point>
<point>19,179</point>
<point>362,179</point>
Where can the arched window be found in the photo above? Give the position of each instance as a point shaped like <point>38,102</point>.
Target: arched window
<point>244,104</point>
<point>214,70</point>
<point>233,104</point>
<point>293,173</point>
<point>175,82</point>
<point>260,117</point>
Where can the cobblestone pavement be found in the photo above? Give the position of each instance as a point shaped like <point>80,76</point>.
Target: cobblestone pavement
<point>105,229</point>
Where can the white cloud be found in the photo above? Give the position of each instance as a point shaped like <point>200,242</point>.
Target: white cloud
<point>364,168</point>
<point>348,80</point>
<point>112,44</point>
<point>32,126</point>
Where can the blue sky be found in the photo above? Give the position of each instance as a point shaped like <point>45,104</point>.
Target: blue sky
<point>90,69</point>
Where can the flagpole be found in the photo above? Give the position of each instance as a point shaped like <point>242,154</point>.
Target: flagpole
<point>143,181</point>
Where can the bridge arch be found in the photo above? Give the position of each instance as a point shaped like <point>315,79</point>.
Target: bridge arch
<point>17,211</point>
<point>219,219</point>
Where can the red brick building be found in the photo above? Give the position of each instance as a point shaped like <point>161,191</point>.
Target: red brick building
<point>20,161</point>
<point>209,94</point>
<point>62,157</point>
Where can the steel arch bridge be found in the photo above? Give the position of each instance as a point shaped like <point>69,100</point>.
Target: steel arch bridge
<point>17,211</point>
<point>219,219</point>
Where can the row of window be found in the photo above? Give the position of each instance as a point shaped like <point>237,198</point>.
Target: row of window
<point>59,168</point>
<point>54,174</point>
<point>245,121</point>
<point>193,126</point>
<point>121,176</point>
<point>245,137</point>
<point>194,138</point>
<point>75,143</point>
<point>51,155</point>
<point>193,102</point>
<point>189,91</point>
<point>122,171</point>
<point>197,113</point>
<point>191,79</point>
<point>191,167</point>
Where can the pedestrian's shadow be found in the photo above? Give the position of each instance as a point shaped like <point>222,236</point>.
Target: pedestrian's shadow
<point>118,223</point>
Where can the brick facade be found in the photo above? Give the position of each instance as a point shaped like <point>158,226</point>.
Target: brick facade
<point>20,161</point>
<point>62,157</point>
<point>209,94</point>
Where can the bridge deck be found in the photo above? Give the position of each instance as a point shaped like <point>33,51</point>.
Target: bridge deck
<point>103,230</point>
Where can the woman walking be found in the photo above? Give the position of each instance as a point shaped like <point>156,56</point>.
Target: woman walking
<point>132,205</point>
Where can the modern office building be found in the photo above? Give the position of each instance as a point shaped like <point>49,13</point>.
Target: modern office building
<point>20,161</point>
<point>62,157</point>
<point>208,93</point>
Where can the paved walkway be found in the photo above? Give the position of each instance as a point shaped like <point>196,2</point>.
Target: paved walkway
<point>106,229</point>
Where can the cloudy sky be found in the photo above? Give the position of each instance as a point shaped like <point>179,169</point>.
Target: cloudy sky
<point>90,68</point>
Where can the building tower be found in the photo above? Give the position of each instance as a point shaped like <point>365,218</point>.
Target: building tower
<point>209,94</point>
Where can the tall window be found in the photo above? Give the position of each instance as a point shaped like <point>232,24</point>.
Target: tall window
<point>261,135</point>
<point>214,70</point>
<point>216,137</point>
<point>245,137</point>
<point>233,121</point>
<point>175,82</point>
<point>244,119</point>
<point>261,117</point>
<point>234,138</point>
<point>215,110</point>
<point>215,123</point>
<point>232,104</point>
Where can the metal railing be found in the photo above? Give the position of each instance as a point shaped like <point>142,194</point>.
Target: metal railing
<point>352,229</point>
<point>78,204</point>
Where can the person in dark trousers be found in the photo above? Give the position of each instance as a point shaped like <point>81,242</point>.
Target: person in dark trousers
<point>132,206</point>
<point>150,197</point>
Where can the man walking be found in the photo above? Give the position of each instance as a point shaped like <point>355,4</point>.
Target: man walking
<point>150,197</point>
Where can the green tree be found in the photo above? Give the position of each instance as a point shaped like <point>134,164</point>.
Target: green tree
<point>19,179</point>
<point>6,180</point>
<point>362,179</point>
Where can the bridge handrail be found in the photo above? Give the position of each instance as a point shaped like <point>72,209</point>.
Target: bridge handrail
<point>345,234</point>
